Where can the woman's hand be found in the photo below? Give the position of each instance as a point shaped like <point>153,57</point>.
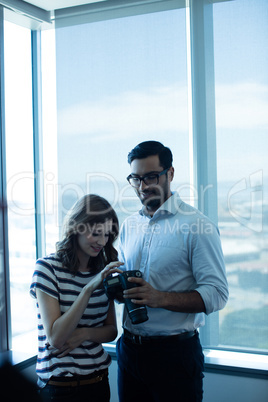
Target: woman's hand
<point>105,333</point>
<point>108,270</point>
<point>75,340</point>
<point>59,327</point>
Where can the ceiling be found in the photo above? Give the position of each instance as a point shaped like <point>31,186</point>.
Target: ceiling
<point>46,14</point>
<point>51,5</point>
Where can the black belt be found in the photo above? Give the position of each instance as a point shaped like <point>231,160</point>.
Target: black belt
<point>145,340</point>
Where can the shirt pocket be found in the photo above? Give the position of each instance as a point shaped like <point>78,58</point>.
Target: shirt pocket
<point>168,255</point>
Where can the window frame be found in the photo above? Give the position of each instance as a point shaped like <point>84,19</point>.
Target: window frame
<point>37,143</point>
<point>202,126</point>
<point>5,322</point>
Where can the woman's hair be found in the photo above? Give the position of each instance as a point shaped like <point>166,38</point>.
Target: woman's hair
<point>85,213</point>
<point>148,148</point>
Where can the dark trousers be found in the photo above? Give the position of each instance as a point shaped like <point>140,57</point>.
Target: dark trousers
<point>164,372</point>
<point>98,392</point>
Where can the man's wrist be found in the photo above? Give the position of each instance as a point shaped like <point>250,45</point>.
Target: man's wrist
<point>182,302</point>
<point>163,299</point>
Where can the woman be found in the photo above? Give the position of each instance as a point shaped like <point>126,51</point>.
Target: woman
<point>74,313</point>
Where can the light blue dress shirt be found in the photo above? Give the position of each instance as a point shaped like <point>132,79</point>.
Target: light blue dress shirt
<point>177,250</point>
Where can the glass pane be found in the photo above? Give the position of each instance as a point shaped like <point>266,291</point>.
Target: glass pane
<point>20,183</point>
<point>241,73</point>
<point>119,82</point>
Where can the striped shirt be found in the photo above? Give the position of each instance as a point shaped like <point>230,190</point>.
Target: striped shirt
<point>58,282</point>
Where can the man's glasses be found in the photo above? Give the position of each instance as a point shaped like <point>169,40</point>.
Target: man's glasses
<point>149,179</point>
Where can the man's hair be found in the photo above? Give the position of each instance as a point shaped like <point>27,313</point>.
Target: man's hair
<point>149,148</point>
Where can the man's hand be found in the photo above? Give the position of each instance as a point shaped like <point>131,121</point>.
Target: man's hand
<point>143,294</point>
<point>183,302</point>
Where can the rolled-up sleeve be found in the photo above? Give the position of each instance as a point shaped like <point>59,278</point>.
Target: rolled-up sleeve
<point>209,269</point>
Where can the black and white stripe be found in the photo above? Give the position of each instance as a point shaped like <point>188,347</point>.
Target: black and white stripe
<point>60,283</point>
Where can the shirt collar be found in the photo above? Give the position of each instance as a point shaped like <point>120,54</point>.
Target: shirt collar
<point>170,207</point>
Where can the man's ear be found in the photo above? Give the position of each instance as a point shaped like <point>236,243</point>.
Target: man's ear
<point>171,173</point>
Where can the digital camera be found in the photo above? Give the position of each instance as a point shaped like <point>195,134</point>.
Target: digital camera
<point>114,287</point>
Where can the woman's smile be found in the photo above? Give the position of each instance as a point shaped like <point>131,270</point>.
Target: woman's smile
<point>96,249</point>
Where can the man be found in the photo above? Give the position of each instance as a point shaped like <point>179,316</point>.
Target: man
<point>179,253</point>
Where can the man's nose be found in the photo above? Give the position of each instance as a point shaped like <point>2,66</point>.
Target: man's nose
<point>142,186</point>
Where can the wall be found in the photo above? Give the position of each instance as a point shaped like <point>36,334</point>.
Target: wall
<point>217,387</point>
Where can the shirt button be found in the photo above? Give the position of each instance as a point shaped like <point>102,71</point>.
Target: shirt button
<point>147,244</point>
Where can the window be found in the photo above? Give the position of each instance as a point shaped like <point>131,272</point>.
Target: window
<point>122,81</point>
<point>241,80</point>
<point>117,86</point>
<point>20,182</point>
<point>119,82</point>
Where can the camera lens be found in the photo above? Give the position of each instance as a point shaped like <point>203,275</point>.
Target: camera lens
<point>138,315</point>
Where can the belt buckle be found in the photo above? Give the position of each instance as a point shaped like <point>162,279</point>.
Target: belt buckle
<point>136,339</point>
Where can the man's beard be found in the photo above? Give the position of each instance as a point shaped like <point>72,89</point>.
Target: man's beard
<point>158,197</point>
<point>152,204</point>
